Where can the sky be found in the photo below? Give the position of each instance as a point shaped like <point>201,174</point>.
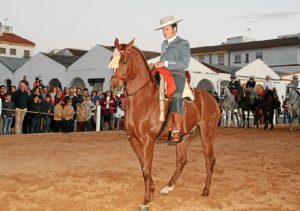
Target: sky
<point>59,24</point>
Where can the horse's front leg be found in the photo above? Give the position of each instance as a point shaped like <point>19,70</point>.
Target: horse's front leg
<point>266,119</point>
<point>181,159</point>
<point>271,118</point>
<point>144,153</point>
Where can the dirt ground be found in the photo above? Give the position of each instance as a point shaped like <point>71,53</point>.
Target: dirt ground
<point>255,170</point>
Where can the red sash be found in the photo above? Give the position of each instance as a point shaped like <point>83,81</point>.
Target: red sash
<point>171,86</point>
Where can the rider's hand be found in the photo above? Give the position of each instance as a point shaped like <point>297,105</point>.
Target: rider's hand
<point>151,66</point>
<point>160,64</point>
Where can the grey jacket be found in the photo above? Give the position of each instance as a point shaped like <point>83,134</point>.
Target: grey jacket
<point>177,53</point>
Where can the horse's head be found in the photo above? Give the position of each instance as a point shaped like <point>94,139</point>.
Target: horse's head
<point>122,63</point>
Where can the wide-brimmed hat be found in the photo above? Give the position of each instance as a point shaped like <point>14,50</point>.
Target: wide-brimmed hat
<point>251,76</point>
<point>295,76</point>
<point>268,76</point>
<point>232,76</point>
<point>168,21</point>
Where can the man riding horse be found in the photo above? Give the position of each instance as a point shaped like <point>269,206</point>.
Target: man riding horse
<point>295,84</point>
<point>175,56</point>
<point>235,87</point>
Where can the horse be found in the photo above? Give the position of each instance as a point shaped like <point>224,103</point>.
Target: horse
<point>228,103</point>
<point>269,103</point>
<point>249,103</point>
<point>142,123</point>
<point>293,104</point>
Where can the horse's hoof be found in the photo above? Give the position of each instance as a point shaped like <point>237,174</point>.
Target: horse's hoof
<point>143,207</point>
<point>166,190</point>
<point>205,193</point>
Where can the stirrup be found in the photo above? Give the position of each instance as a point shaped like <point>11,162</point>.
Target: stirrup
<point>176,136</point>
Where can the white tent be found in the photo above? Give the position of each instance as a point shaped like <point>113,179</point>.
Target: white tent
<point>259,69</point>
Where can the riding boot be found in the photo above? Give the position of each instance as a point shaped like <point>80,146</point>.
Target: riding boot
<point>176,133</point>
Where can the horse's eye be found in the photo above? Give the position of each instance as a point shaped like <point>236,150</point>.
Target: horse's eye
<point>124,62</point>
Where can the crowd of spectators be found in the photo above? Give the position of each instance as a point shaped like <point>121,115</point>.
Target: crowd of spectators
<point>45,109</point>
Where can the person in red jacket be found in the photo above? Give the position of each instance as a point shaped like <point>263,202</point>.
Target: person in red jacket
<point>109,105</point>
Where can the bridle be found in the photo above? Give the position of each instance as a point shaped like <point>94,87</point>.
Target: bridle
<point>124,77</point>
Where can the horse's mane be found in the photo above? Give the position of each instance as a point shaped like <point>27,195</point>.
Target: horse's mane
<point>140,53</point>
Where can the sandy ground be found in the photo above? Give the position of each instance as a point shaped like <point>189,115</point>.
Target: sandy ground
<point>255,170</point>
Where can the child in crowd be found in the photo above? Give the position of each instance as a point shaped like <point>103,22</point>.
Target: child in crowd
<point>68,116</point>
<point>7,113</point>
<point>35,107</point>
<point>80,114</point>
<point>46,107</point>
<point>58,115</point>
<point>90,107</point>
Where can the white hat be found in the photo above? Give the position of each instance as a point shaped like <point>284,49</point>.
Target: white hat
<point>252,76</point>
<point>295,76</point>
<point>168,21</point>
<point>268,76</point>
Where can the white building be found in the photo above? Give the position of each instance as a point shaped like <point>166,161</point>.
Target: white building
<point>91,70</point>
<point>12,45</point>
<point>281,54</point>
<point>8,66</point>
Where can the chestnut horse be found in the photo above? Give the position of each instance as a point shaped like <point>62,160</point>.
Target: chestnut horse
<point>142,118</point>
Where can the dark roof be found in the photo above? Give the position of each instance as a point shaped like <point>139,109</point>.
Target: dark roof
<point>148,54</point>
<point>64,60</point>
<point>248,45</point>
<point>222,68</point>
<point>77,52</point>
<point>15,39</point>
<point>12,63</point>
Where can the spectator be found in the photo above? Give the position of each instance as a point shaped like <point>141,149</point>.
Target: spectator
<point>35,117</point>
<point>80,114</point>
<point>68,116</point>
<point>109,105</point>
<point>7,114</point>
<point>1,120</point>
<point>58,115</point>
<point>46,107</point>
<point>2,92</point>
<point>52,94</point>
<point>13,89</point>
<point>36,83</point>
<point>90,107</point>
<point>25,80</point>
<point>20,99</point>
<point>268,84</point>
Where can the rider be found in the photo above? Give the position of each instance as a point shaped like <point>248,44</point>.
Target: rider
<point>235,87</point>
<point>175,55</point>
<point>295,83</point>
<point>268,84</point>
<point>251,82</point>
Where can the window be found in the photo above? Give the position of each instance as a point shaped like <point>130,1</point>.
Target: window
<point>26,54</point>
<point>237,58</point>
<point>201,58</point>
<point>259,55</point>
<point>247,58</point>
<point>221,59</point>
<point>210,59</point>
<point>13,51</point>
<point>2,50</point>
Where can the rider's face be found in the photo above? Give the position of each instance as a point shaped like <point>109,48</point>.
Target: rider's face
<point>169,32</point>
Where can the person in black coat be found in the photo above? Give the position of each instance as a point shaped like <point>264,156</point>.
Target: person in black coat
<point>35,117</point>
<point>235,87</point>
<point>251,83</point>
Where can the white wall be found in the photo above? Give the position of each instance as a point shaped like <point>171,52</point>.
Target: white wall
<point>43,67</point>
<point>5,74</point>
<point>93,64</point>
<point>19,50</point>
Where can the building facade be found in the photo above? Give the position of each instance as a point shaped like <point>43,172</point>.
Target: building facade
<point>12,45</point>
<point>281,54</point>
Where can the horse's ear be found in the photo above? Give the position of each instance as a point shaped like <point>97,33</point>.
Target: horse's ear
<point>130,44</point>
<point>117,43</point>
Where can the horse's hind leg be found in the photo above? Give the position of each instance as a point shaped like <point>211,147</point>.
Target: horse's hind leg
<point>208,134</point>
<point>181,159</point>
